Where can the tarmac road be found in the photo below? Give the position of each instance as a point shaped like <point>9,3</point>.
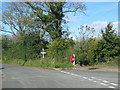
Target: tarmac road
<point>31,77</point>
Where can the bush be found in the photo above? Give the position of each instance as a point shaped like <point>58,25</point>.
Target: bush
<point>56,49</point>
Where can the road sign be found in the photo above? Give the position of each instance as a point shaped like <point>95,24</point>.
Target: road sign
<point>43,53</point>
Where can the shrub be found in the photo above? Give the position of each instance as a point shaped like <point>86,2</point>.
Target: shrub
<point>56,49</point>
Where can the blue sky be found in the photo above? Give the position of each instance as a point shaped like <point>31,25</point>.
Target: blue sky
<point>98,14</point>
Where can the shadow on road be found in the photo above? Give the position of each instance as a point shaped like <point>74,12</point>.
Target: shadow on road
<point>92,68</point>
<point>2,68</point>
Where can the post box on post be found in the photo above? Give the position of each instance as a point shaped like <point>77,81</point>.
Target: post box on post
<point>72,59</point>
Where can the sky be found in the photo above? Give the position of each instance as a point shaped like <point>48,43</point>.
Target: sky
<point>98,15</point>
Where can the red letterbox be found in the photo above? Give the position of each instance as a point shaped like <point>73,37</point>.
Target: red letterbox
<point>72,58</point>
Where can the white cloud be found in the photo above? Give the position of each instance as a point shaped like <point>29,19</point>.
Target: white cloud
<point>115,26</point>
<point>98,25</point>
<point>73,37</point>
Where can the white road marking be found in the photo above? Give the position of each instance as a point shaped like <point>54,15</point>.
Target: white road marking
<point>72,74</point>
<point>94,81</point>
<point>103,84</point>
<point>105,81</point>
<point>61,71</point>
<point>90,79</point>
<point>67,72</point>
<point>111,87</point>
<point>85,77</point>
<point>114,84</point>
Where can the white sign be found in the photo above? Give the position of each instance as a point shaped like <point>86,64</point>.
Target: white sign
<point>43,53</point>
<point>74,60</point>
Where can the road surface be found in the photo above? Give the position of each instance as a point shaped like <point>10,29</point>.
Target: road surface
<point>31,77</point>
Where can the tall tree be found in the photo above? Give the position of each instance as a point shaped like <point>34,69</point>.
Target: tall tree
<point>18,19</point>
<point>51,15</point>
<point>20,22</point>
<point>106,47</point>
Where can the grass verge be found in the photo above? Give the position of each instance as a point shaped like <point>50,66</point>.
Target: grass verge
<point>50,63</point>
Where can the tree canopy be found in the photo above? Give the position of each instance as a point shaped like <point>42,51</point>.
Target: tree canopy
<point>43,16</point>
<point>106,48</point>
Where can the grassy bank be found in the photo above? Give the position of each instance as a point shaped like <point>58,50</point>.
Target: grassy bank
<point>107,65</point>
<point>51,63</point>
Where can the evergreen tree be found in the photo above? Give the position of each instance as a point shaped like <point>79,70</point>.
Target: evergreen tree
<point>106,47</point>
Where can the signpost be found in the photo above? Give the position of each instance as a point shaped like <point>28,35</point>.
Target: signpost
<point>43,53</point>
